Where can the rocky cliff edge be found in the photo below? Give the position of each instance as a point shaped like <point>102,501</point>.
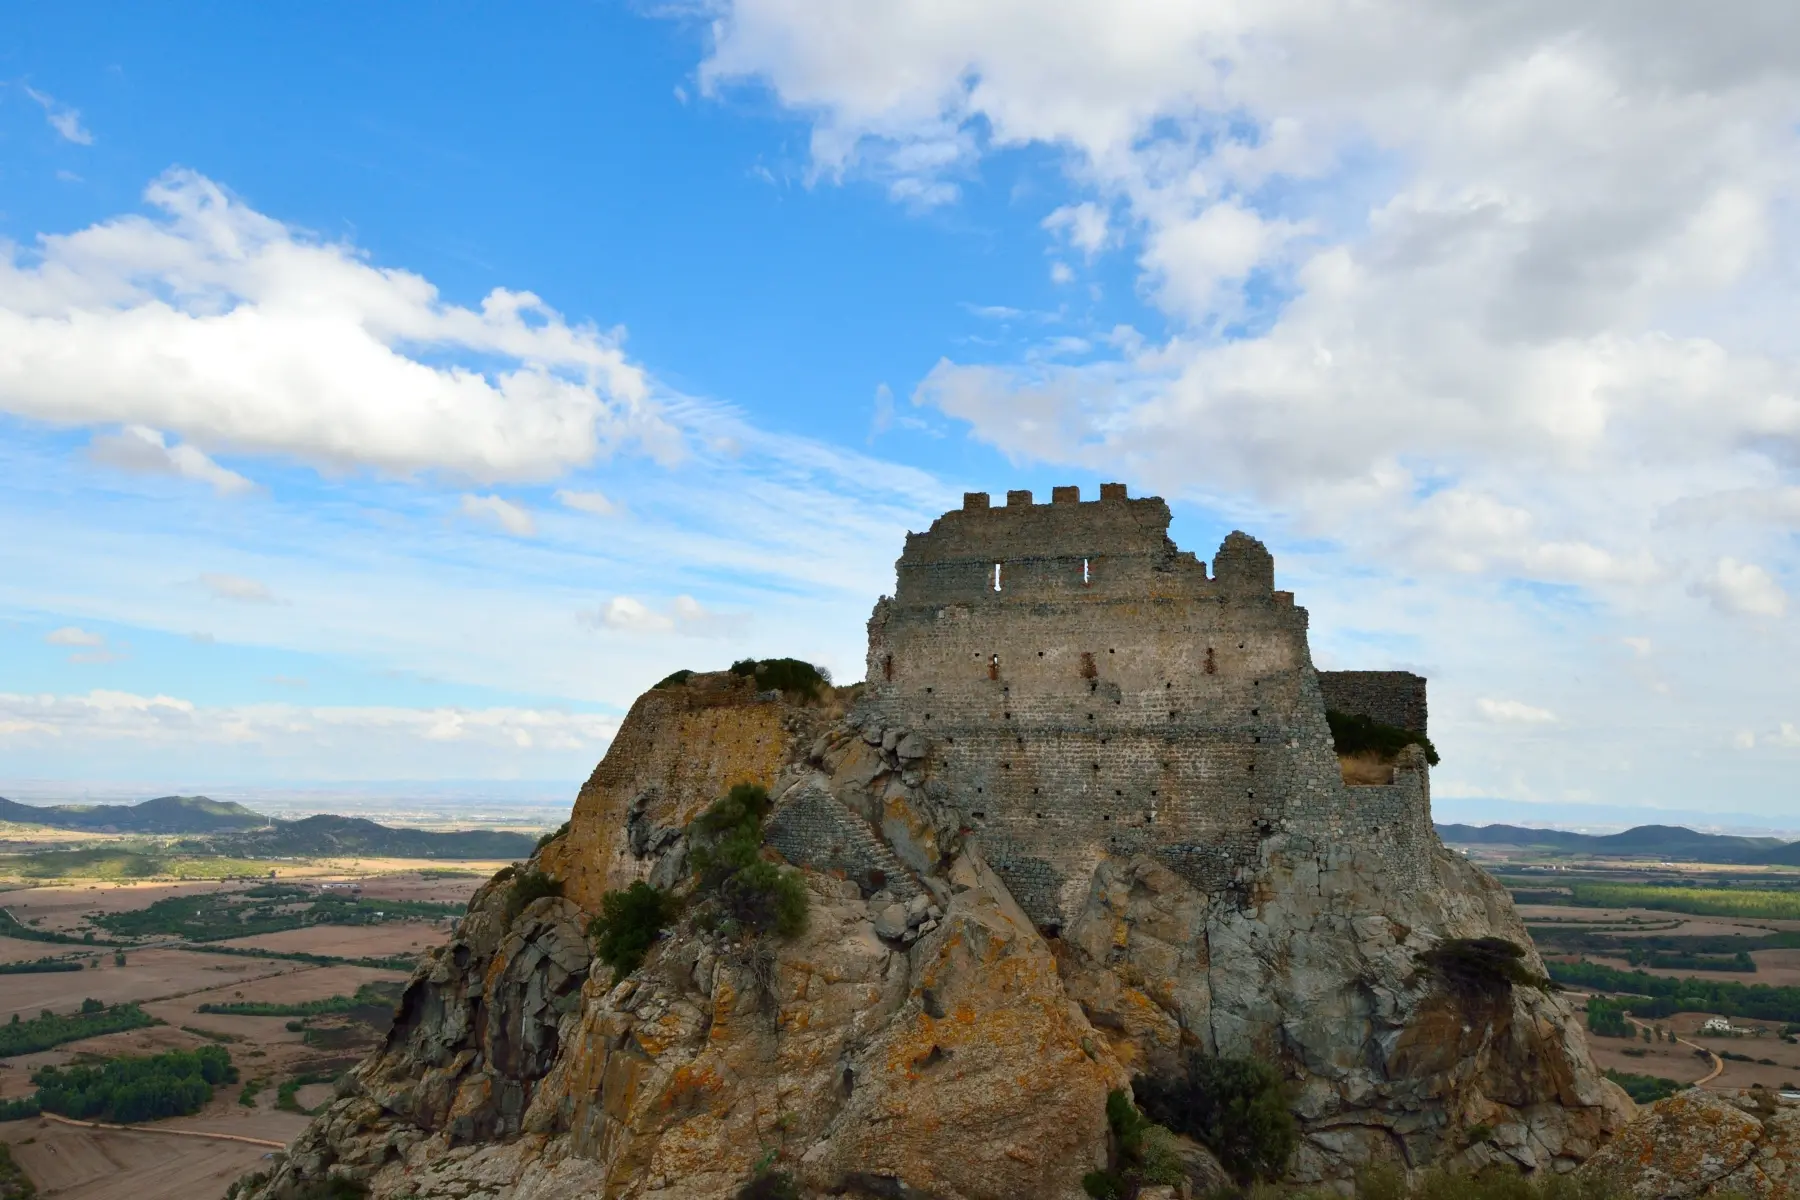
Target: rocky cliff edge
<point>921,1038</point>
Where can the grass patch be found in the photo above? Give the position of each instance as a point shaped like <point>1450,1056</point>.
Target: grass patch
<point>628,925</point>
<point>14,1183</point>
<point>272,908</point>
<point>1696,901</point>
<point>529,886</point>
<point>247,1096</point>
<point>285,1094</point>
<point>1144,1153</point>
<point>1355,734</point>
<point>48,1030</point>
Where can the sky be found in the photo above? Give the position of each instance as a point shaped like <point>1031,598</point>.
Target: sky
<point>391,393</point>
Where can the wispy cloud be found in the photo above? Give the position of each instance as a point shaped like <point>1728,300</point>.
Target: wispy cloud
<point>497,510</point>
<point>136,448</point>
<point>684,615</point>
<point>73,635</point>
<point>64,119</point>
<point>594,504</point>
<point>236,587</point>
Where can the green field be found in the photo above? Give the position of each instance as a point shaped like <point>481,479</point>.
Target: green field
<point>271,908</point>
<point>124,863</point>
<point>370,996</point>
<point>1695,901</point>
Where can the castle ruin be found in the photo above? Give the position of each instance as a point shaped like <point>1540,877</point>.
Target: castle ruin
<point>1088,689</point>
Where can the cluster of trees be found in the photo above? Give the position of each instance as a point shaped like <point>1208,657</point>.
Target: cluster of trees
<point>1664,996</point>
<point>128,1089</point>
<point>269,909</point>
<point>1671,961</point>
<point>40,966</point>
<point>48,1029</point>
<point>1645,1089</point>
<point>1607,1018</point>
<point>380,994</point>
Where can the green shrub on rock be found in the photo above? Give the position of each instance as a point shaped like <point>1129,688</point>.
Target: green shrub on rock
<point>746,890</point>
<point>1484,966</point>
<point>1235,1107</point>
<point>627,926</point>
<point>1354,733</point>
<point>529,886</point>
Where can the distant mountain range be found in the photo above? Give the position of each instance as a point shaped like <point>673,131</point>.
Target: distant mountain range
<point>231,828</point>
<point>1666,842</point>
<point>165,814</point>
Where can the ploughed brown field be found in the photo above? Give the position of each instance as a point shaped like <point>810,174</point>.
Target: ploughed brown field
<point>171,982</point>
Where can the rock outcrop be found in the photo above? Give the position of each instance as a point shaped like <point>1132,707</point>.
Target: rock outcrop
<point>951,1020</point>
<point>1698,1144</point>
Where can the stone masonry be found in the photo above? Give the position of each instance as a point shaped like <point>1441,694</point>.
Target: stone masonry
<point>1391,697</point>
<point>1088,689</point>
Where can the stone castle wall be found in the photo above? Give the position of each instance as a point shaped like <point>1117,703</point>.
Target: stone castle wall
<point>1391,697</point>
<point>1089,689</point>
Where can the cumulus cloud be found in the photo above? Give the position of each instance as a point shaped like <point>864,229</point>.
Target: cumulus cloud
<point>236,587</point>
<point>1742,589</point>
<point>136,448</point>
<point>1420,268</point>
<point>65,120</point>
<point>213,322</point>
<point>683,615</point>
<point>497,510</point>
<point>1513,712</point>
<point>593,503</point>
<point>74,635</point>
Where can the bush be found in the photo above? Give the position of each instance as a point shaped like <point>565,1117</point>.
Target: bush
<point>1145,1153</point>
<point>1356,734</point>
<point>627,926</point>
<point>727,858</point>
<point>1235,1107</point>
<point>790,675</point>
<point>672,679</point>
<point>1485,966</point>
<point>559,831</point>
<point>529,886</point>
<point>770,1185</point>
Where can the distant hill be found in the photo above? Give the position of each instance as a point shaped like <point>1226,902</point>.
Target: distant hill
<point>1667,842</point>
<point>165,814</point>
<point>230,828</point>
<point>330,835</point>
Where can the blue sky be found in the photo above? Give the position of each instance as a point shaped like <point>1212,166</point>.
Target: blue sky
<point>1485,327</point>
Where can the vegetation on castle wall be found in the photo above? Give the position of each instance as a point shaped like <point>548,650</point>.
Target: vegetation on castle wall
<point>1235,1107</point>
<point>1354,733</point>
<point>628,925</point>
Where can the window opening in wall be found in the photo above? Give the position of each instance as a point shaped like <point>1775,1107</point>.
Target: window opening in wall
<point>993,666</point>
<point>887,666</point>
<point>1212,666</point>
<point>1088,669</point>
<point>996,577</point>
<point>979,816</point>
<point>1086,577</point>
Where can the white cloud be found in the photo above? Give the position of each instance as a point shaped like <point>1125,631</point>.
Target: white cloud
<point>236,587</point>
<point>593,503</point>
<point>1060,273</point>
<point>684,615</point>
<point>136,448</point>
<point>1640,646</point>
<point>1743,589</point>
<point>1513,712</point>
<point>74,635</point>
<point>350,738</point>
<point>1084,226</point>
<point>1788,735</point>
<point>233,331</point>
<point>65,120</point>
<point>497,510</point>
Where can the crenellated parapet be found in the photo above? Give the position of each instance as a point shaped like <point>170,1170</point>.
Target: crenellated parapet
<point>1089,689</point>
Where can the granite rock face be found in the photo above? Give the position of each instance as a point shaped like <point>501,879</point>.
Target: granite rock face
<point>1698,1143</point>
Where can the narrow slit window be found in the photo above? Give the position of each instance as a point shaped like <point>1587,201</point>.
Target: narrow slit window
<point>1086,575</point>
<point>993,666</point>
<point>996,577</point>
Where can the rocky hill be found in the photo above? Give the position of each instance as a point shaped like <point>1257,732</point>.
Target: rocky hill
<point>983,962</point>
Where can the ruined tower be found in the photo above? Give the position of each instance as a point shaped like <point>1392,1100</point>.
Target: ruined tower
<point>1089,689</point>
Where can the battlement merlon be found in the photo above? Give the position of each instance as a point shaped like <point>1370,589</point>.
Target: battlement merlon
<point>1110,548</point>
